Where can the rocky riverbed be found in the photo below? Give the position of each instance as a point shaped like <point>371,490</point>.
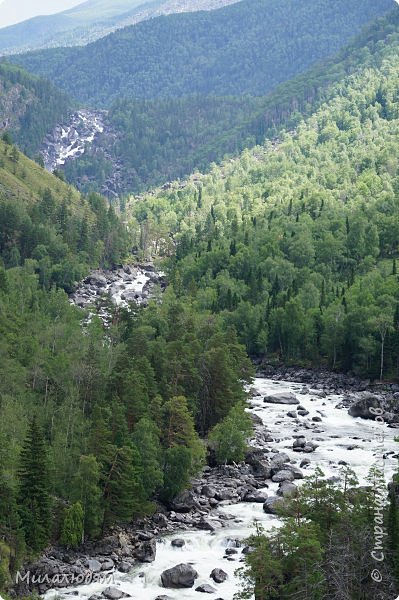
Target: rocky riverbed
<point>121,285</point>
<point>196,545</point>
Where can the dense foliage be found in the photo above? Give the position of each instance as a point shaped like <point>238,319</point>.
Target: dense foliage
<point>163,139</point>
<point>289,251</point>
<point>29,107</point>
<point>43,219</point>
<point>212,52</point>
<point>106,427</point>
<point>101,426</point>
<point>296,245</point>
<point>325,546</point>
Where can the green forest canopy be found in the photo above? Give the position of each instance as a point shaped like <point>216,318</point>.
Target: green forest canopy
<point>296,246</point>
<point>162,139</point>
<point>213,54</point>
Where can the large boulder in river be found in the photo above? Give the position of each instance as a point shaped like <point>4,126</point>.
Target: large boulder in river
<point>113,593</point>
<point>146,551</point>
<point>180,576</point>
<point>287,489</point>
<point>258,461</point>
<point>205,589</point>
<point>361,408</point>
<point>281,398</point>
<point>278,461</point>
<point>283,475</point>
<point>218,575</point>
<point>257,496</point>
<point>272,505</point>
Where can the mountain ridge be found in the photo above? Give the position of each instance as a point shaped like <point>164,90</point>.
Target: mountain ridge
<point>86,22</point>
<point>212,53</point>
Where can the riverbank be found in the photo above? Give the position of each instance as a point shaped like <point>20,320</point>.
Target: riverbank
<point>308,426</point>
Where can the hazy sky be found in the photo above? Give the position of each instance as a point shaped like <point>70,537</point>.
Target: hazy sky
<point>13,11</point>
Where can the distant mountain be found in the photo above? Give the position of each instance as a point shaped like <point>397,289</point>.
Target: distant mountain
<point>90,21</point>
<point>247,48</point>
<point>177,136</point>
<point>12,12</point>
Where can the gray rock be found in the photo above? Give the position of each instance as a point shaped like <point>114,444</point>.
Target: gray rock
<point>292,414</point>
<point>278,460</point>
<point>361,408</point>
<point>94,565</point>
<point>299,442</point>
<point>96,279</point>
<point>108,545</point>
<point>205,589</point>
<point>308,449</point>
<point>272,505</point>
<point>113,593</point>
<point>256,419</point>
<point>287,489</point>
<point>296,471</point>
<point>256,458</point>
<point>284,475</point>
<point>180,576</point>
<point>225,494</point>
<point>208,491</point>
<point>255,496</point>
<point>146,551</point>
<point>178,543</point>
<point>124,566</point>
<point>209,525</point>
<point>184,502</point>
<point>107,564</point>
<point>281,398</point>
<point>218,575</point>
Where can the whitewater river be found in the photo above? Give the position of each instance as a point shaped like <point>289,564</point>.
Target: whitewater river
<point>335,434</point>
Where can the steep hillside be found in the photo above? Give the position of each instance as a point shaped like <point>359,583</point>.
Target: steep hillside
<point>296,245</point>
<point>90,21</point>
<point>29,107</point>
<point>207,53</point>
<point>44,219</point>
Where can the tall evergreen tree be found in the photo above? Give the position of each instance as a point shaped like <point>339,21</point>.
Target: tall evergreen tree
<point>34,498</point>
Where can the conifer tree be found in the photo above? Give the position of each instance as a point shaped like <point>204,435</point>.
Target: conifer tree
<point>146,440</point>
<point>34,489</point>
<point>123,491</point>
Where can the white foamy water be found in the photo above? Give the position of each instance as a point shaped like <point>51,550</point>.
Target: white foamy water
<point>206,551</point>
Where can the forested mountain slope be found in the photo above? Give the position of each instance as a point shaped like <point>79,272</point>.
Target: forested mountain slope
<point>29,106</point>
<point>46,221</point>
<point>296,246</point>
<point>95,425</point>
<point>207,52</point>
<point>159,140</point>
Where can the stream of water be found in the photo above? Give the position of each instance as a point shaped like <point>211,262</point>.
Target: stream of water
<point>339,437</point>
